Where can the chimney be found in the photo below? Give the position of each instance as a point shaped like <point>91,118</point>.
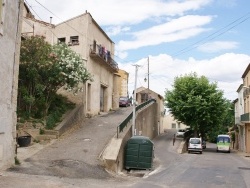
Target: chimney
<point>50,20</point>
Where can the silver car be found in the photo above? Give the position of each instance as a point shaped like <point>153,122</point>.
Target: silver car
<point>180,132</point>
<point>195,145</point>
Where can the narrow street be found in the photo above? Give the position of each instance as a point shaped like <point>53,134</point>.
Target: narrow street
<point>210,169</point>
<point>72,161</point>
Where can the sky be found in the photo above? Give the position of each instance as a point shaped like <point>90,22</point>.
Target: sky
<point>166,39</point>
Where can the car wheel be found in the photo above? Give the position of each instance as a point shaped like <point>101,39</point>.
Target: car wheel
<point>201,152</point>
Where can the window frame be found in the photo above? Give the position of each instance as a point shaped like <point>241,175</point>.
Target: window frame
<point>61,40</point>
<point>73,40</point>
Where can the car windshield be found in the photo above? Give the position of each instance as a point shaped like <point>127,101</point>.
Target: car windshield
<point>195,141</point>
<point>181,130</point>
<point>123,98</point>
<point>223,139</point>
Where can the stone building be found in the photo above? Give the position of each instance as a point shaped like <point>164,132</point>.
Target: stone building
<point>10,37</point>
<point>144,94</point>
<point>123,83</point>
<point>245,112</point>
<point>85,37</point>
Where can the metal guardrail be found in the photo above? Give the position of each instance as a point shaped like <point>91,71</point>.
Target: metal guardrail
<point>130,116</point>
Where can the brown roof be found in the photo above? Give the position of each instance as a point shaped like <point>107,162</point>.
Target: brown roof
<point>246,71</point>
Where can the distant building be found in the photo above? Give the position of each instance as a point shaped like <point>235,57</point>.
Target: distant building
<point>10,38</point>
<point>144,94</point>
<point>244,100</point>
<point>123,83</point>
<point>169,122</point>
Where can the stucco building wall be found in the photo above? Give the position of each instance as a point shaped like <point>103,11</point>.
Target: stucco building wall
<point>98,95</point>
<point>10,37</point>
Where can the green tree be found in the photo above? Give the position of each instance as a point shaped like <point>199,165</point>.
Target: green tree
<point>43,70</point>
<point>196,102</point>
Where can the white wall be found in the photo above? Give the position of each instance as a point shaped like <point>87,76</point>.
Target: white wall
<point>168,120</point>
<point>9,64</point>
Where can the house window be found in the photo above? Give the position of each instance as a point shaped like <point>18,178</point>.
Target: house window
<point>179,125</point>
<point>74,40</point>
<point>2,5</point>
<point>173,126</point>
<point>61,40</point>
<point>144,97</point>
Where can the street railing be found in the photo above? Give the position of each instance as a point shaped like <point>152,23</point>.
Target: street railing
<point>130,116</point>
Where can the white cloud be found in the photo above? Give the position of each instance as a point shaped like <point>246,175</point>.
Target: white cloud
<point>113,12</point>
<point>217,46</point>
<point>226,70</point>
<point>111,31</point>
<point>174,30</point>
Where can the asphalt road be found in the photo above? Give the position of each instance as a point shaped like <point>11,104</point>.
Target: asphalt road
<point>210,169</point>
<point>72,161</point>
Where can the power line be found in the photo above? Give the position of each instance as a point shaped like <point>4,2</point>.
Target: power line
<point>210,37</point>
<point>38,17</point>
<point>88,39</point>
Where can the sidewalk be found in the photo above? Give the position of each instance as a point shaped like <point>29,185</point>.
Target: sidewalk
<point>80,147</point>
<point>242,154</point>
<point>70,160</point>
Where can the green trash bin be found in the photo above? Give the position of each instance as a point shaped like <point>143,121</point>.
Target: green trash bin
<point>139,153</point>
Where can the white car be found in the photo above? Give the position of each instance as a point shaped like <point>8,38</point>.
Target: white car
<point>195,145</point>
<point>180,132</point>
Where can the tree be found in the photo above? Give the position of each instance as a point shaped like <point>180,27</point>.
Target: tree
<point>196,102</point>
<point>43,70</point>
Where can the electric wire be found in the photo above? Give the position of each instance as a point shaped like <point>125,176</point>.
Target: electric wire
<point>217,33</point>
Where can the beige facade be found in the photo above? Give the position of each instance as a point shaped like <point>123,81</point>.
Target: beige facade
<point>123,83</point>
<point>10,37</point>
<point>239,110</point>
<point>245,118</point>
<point>86,38</point>
<point>170,123</point>
<point>143,94</point>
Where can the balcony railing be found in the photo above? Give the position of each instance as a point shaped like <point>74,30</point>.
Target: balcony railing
<point>103,56</point>
<point>245,117</point>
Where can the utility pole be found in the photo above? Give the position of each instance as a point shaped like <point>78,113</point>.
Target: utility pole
<point>134,101</point>
<point>148,78</point>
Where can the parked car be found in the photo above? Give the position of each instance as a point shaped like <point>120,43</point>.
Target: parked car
<point>124,102</point>
<point>180,132</point>
<point>195,145</point>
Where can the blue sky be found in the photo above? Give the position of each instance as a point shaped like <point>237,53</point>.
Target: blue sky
<point>209,37</point>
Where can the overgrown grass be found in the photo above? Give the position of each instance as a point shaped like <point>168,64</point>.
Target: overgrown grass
<point>57,109</point>
<point>59,106</point>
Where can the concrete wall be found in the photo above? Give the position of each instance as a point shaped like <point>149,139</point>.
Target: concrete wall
<point>10,38</point>
<point>113,155</point>
<point>140,92</point>
<point>74,118</point>
<point>146,121</point>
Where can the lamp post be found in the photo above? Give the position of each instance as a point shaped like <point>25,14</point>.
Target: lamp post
<point>134,101</point>
<point>145,79</point>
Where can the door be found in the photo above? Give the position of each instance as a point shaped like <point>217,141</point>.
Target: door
<point>102,99</point>
<point>247,138</point>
